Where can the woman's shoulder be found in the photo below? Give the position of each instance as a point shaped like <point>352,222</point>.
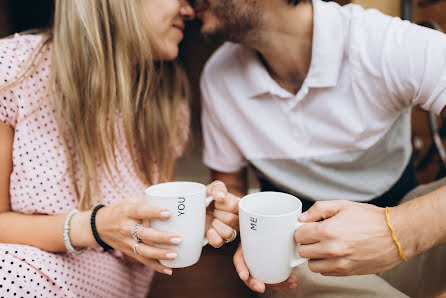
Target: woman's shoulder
<point>19,59</point>
<point>16,52</point>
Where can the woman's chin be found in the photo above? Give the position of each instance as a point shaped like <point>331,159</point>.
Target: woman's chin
<point>167,55</point>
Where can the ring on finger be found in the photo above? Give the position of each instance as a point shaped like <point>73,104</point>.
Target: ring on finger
<point>234,235</point>
<point>135,247</point>
<point>135,230</point>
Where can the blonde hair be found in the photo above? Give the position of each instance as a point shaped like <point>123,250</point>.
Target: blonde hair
<point>102,62</point>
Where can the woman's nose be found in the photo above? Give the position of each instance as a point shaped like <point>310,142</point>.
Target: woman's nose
<point>186,10</point>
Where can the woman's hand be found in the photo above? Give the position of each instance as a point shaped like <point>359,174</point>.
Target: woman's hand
<point>116,222</point>
<point>353,239</point>
<point>223,217</point>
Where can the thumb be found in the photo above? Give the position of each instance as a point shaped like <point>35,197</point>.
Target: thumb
<point>240,265</point>
<point>323,210</point>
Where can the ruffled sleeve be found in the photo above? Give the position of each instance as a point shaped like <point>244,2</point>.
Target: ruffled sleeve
<point>14,53</point>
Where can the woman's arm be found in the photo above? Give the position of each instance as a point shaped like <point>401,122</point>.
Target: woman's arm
<point>6,141</point>
<point>41,231</point>
<point>114,223</point>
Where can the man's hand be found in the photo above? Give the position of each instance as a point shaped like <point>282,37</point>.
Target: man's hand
<point>255,285</point>
<point>353,239</point>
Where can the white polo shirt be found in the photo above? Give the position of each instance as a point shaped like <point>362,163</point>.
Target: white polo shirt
<point>346,134</point>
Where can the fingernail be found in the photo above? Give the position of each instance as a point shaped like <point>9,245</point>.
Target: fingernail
<point>257,288</point>
<point>303,216</point>
<point>166,213</point>
<point>167,271</point>
<point>175,240</point>
<point>221,195</point>
<point>171,255</point>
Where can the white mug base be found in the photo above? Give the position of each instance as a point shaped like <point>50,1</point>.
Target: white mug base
<point>270,281</point>
<point>177,264</point>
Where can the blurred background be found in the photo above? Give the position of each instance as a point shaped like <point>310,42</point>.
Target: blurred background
<point>214,276</point>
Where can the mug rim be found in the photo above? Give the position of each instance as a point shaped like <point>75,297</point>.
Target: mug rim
<point>149,189</point>
<point>243,208</point>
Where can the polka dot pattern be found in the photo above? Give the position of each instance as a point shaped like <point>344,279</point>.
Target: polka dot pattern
<point>40,184</point>
<point>29,272</point>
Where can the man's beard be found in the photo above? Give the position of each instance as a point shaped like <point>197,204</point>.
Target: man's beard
<point>237,22</point>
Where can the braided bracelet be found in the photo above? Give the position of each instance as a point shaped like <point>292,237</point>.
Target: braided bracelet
<point>66,235</point>
<point>104,245</point>
<point>398,245</point>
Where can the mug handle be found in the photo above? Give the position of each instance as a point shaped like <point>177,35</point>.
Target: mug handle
<point>208,201</point>
<point>298,260</point>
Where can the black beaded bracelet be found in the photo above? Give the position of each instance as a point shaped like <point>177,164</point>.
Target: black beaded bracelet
<point>95,232</point>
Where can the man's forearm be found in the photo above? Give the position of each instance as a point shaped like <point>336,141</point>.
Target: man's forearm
<point>420,224</point>
<point>236,183</point>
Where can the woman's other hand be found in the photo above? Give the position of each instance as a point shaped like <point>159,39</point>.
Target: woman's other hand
<point>223,217</point>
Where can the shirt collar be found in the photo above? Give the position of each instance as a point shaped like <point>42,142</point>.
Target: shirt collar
<point>328,45</point>
<point>258,79</point>
<point>327,54</point>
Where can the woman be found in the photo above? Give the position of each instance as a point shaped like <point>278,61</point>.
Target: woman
<point>91,116</point>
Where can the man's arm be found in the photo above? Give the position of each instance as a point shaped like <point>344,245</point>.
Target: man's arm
<point>236,183</point>
<point>355,239</point>
<point>420,223</point>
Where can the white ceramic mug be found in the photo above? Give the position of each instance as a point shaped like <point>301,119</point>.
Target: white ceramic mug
<point>268,221</point>
<point>187,201</point>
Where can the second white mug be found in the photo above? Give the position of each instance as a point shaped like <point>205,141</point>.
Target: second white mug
<point>268,221</point>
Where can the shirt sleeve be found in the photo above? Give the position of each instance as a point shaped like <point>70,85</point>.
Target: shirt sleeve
<point>411,59</point>
<point>220,150</point>
<point>8,69</point>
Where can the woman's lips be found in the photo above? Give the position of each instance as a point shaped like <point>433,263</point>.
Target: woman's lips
<point>180,30</point>
<point>179,26</point>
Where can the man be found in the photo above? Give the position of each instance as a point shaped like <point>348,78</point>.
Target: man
<point>316,98</point>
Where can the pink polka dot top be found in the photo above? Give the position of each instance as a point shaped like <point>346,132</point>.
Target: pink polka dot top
<point>39,184</point>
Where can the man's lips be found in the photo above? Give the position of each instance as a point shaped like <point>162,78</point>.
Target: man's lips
<point>201,8</point>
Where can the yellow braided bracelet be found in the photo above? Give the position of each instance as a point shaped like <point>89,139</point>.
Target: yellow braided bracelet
<point>398,245</point>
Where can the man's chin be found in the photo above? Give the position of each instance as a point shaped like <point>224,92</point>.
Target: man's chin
<point>215,37</point>
<point>212,34</point>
